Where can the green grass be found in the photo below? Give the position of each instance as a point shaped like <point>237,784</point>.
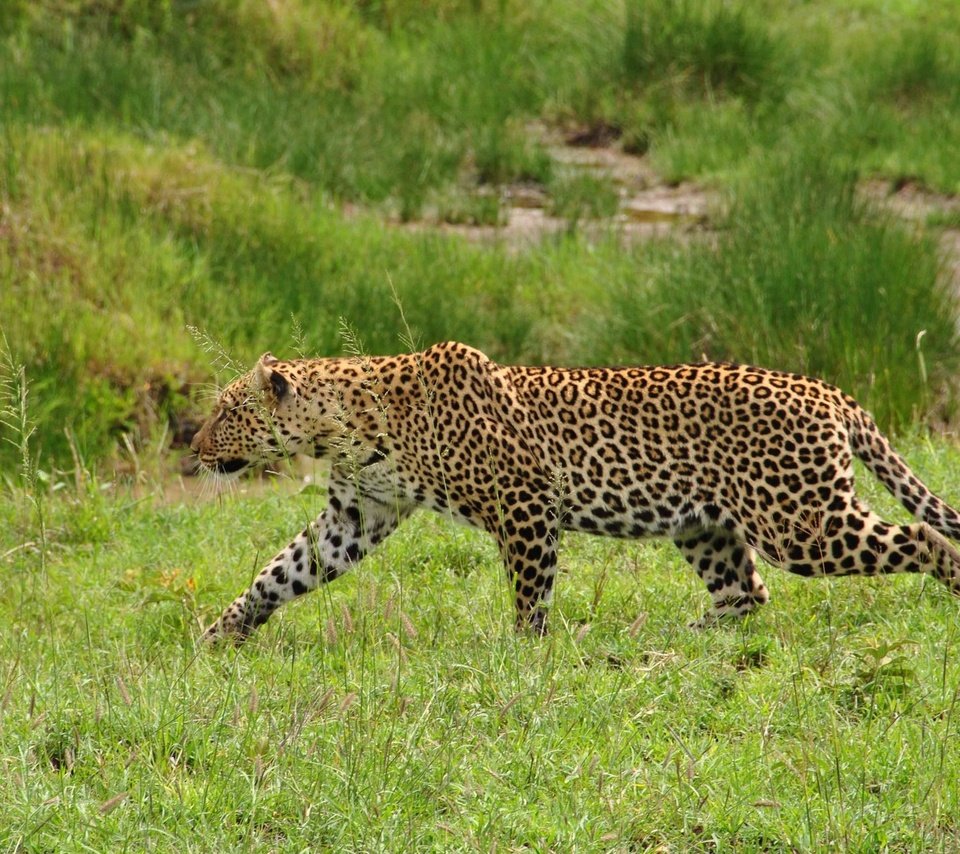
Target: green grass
<point>233,165</point>
<point>382,103</point>
<point>579,196</point>
<point>397,709</point>
<point>711,48</point>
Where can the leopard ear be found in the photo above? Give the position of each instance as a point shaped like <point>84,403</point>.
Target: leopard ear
<point>266,376</point>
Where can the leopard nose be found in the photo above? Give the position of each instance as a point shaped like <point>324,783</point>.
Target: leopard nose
<point>195,442</point>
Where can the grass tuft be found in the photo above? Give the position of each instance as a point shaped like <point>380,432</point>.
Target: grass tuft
<point>583,196</point>
<point>714,48</point>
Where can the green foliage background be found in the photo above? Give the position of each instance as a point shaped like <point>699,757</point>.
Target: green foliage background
<point>230,164</point>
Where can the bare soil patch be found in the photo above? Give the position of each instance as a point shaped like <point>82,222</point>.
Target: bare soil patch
<point>647,206</point>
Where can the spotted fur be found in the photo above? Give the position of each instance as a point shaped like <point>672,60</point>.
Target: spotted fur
<point>729,461</point>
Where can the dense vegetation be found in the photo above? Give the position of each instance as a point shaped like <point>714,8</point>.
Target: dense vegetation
<point>249,169</point>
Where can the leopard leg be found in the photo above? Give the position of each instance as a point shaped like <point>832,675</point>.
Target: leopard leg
<point>532,568</point>
<point>338,538</point>
<point>728,568</point>
<point>520,505</point>
<point>856,541</point>
<point>527,536</point>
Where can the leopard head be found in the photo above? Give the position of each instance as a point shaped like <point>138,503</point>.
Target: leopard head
<point>259,418</point>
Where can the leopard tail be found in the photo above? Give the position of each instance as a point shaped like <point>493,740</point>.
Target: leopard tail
<point>877,454</point>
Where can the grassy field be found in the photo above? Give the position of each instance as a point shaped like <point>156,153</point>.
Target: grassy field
<point>249,170</point>
<point>396,710</point>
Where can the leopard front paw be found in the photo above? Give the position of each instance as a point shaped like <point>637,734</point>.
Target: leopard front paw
<point>232,625</point>
<point>534,621</point>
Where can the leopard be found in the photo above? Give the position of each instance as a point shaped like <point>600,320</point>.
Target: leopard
<point>731,462</point>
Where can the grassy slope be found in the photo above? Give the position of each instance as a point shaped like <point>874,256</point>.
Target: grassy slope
<point>114,247</point>
<point>164,165</point>
<point>396,708</point>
